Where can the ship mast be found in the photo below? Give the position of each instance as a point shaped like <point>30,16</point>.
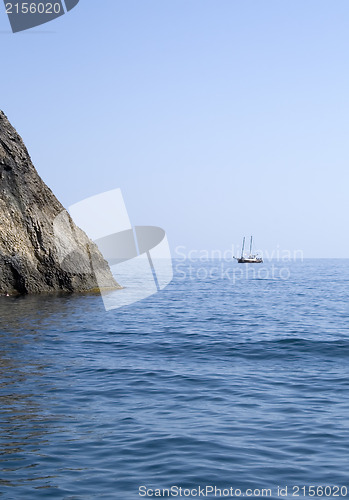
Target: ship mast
<point>243,246</point>
<point>251,246</point>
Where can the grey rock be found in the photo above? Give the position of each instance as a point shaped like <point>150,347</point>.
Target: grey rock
<point>41,249</point>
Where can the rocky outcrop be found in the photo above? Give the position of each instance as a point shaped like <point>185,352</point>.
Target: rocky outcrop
<point>41,249</point>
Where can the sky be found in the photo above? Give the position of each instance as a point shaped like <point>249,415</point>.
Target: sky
<point>216,118</point>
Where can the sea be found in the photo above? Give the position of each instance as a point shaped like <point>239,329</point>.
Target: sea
<point>231,382</point>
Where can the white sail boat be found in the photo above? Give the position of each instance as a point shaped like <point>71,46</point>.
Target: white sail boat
<point>251,259</point>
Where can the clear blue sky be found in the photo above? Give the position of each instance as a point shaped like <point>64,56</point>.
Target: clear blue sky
<point>216,118</point>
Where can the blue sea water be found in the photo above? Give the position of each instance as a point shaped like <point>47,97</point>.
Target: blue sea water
<point>230,380</point>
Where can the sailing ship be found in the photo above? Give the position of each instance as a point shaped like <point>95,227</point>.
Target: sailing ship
<point>251,259</point>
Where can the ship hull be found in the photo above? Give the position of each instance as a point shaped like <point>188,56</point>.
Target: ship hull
<point>250,261</point>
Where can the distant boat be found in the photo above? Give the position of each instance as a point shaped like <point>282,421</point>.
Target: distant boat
<point>251,259</point>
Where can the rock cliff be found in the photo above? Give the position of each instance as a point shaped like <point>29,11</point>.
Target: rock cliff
<point>41,249</point>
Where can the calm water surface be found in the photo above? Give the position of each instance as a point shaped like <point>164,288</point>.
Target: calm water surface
<point>210,382</point>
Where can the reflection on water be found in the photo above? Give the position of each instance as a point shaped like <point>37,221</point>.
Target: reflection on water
<point>29,413</point>
<point>24,424</point>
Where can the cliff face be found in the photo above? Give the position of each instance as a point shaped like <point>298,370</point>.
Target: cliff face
<point>41,249</point>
